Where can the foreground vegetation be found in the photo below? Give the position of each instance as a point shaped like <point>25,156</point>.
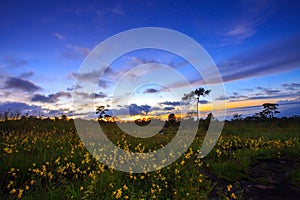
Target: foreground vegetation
<point>46,159</point>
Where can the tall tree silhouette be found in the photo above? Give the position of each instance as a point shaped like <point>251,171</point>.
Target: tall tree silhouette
<point>196,94</point>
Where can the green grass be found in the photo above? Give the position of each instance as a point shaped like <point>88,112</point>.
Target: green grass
<point>46,159</point>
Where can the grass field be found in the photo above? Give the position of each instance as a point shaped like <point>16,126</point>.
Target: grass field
<point>45,159</point>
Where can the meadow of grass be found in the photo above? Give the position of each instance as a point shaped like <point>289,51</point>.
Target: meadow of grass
<point>45,159</point>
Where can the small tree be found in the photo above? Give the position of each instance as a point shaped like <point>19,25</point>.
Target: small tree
<point>172,117</point>
<point>101,111</point>
<point>64,117</point>
<point>196,94</point>
<point>269,109</point>
<point>237,117</point>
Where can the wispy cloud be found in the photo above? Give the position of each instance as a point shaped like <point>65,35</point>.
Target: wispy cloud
<point>75,52</point>
<point>10,62</point>
<point>26,74</point>
<point>89,76</point>
<point>117,9</point>
<point>270,59</point>
<point>58,35</point>
<point>170,103</point>
<point>83,50</point>
<point>291,86</point>
<point>92,95</point>
<point>249,15</point>
<point>283,92</point>
<point>94,10</point>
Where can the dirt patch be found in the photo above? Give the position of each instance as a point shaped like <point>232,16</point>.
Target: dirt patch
<point>269,179</point>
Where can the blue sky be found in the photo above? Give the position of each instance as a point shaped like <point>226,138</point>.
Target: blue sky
<point>255,45</point>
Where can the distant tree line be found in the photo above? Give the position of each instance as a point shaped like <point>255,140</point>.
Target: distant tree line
<point>18,115</point>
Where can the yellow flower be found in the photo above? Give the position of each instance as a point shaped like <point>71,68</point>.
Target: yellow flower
<point>32,182</point>
<point>10,184</point>
<point>20,194</point>
<point>229,187</point>
<point>125,187</point>
<point>26,187</point>
<point>7,150</point>
<point>81,188</point>
<point>118,193</point>
<point>13,191</point>
<point>233,196</point>
<point>57,161</point>
<point>152,191</point>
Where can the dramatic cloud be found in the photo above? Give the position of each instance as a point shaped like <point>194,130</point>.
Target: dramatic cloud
<point>138,110</point>
<point>203,102</point>
<point>76,87</point>
<point>33,110</point>
<point>102,84</point>
<point>20,84</point>
<point>99,95</point>
<point>13,106</point>
<point>93,77</point>
<point>169,108</point>
<point>51,98</point>
<point>150,91</point>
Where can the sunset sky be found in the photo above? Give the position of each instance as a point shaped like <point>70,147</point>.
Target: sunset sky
<point>255,45</point>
